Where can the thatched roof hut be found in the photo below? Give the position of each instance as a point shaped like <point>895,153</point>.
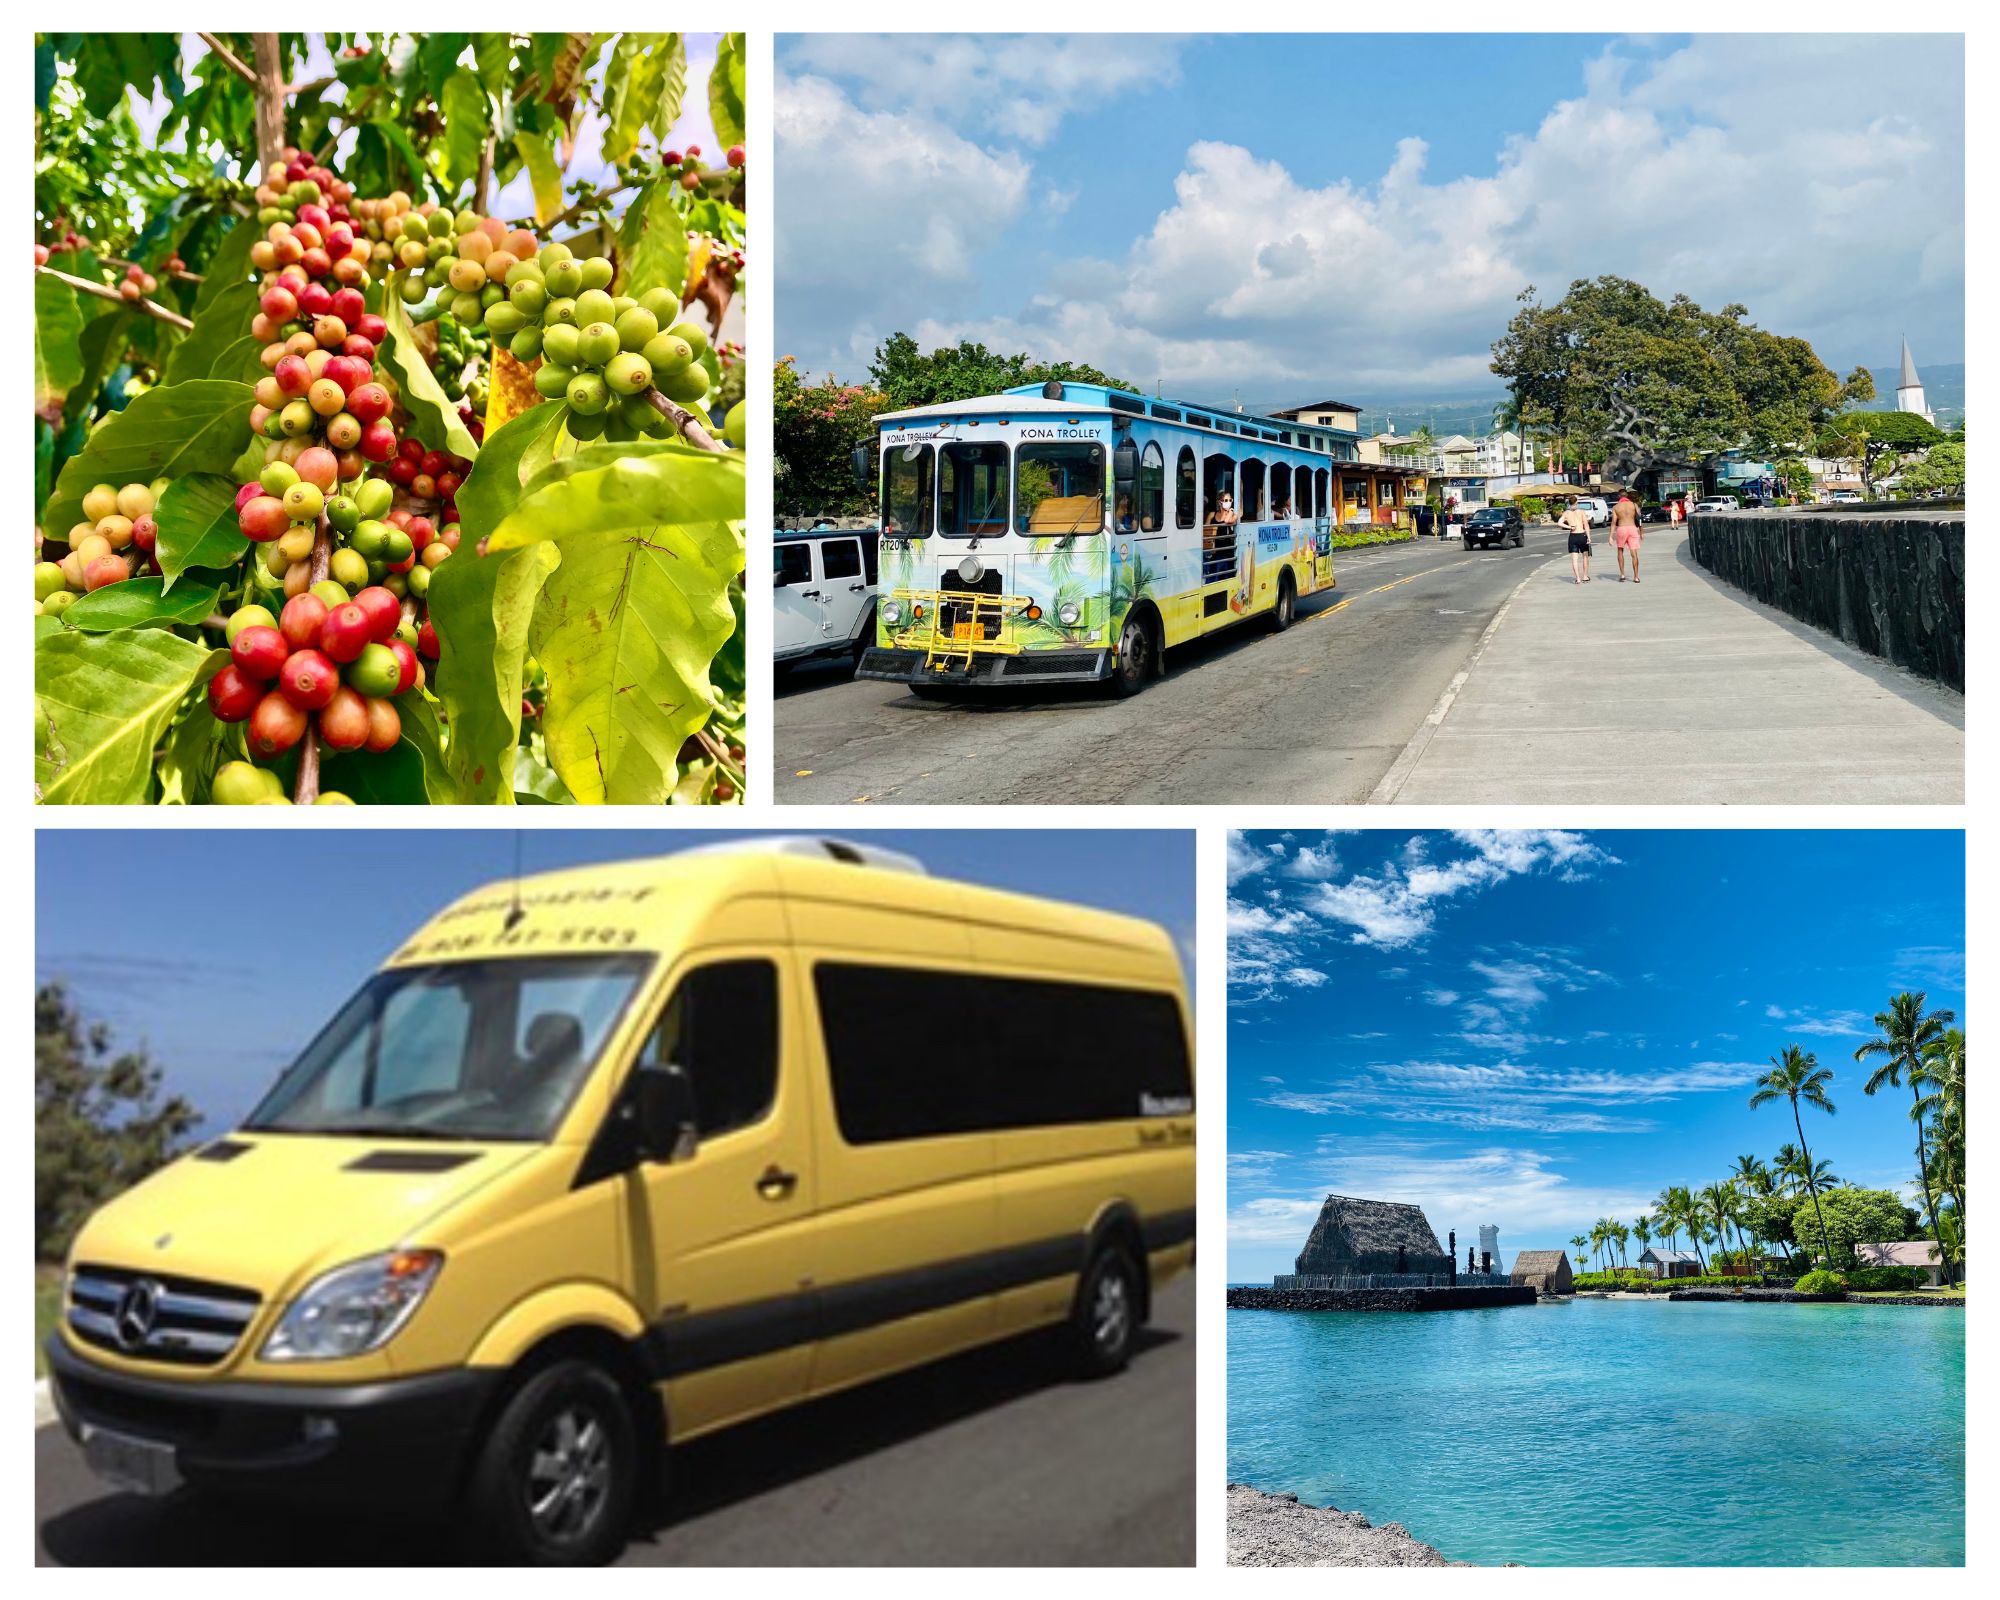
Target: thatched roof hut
<point>1544,1271</point>
<point>1354,1237</point>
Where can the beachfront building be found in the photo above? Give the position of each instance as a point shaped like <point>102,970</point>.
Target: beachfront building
<point>1908,1252</point>
<point>1355,1238</point>
<point>1664,1263</point>
<point>1545,1271</point>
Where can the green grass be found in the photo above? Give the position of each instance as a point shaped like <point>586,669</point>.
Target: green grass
<point>48,1306</point>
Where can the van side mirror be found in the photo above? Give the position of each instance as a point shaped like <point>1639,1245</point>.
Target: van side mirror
<point>858,458</point>
<point>665,1104</point>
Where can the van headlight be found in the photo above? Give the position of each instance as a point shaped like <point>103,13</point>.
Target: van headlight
<point>354,1309</point>
<point>1069,613</point>
<point>892,612</point>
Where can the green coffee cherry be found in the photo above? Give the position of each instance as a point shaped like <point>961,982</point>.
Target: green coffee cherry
<point>668,354</point>
<point>559,342</point>
<point>527,344</point>
<point>588,393</point>
<point>597,343</point>
<point>552,380</point>
<point>628,373</point>
<point>593,305</point>
<point>636,327</point>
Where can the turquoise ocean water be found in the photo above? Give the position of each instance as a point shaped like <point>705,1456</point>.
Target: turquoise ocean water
<point>1618,1432</point>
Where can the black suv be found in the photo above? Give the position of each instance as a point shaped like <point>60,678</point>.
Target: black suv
<point>1498,525</point>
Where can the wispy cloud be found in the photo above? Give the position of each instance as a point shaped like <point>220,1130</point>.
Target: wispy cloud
<point>1286,899</point>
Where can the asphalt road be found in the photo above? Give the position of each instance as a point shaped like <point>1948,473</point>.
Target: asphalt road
<point>995,1458</point>
<point>1316,714</point>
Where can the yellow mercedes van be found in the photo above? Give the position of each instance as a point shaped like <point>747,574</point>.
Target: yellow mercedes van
<point>610,1158</point>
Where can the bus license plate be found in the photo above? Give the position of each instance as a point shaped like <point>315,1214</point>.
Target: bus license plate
<point>140,1465</point>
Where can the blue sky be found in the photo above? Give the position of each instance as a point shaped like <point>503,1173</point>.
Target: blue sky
<point>224,951</point>
<point>1260,216</point>
<point>1536,1028</point>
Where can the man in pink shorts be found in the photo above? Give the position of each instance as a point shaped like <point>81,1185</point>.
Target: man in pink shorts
<point>1625,534</point>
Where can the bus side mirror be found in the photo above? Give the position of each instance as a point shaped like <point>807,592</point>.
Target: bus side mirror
<point>859,460</point>
<point>666,1114</point>
<point>1125,462</point>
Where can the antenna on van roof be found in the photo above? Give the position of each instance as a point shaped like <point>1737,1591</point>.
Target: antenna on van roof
<point>516,911</point>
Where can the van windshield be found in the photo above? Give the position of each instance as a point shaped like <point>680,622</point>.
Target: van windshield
<point>460,1050</point>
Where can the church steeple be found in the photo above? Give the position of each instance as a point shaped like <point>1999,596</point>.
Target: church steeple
<point>1910,388</point>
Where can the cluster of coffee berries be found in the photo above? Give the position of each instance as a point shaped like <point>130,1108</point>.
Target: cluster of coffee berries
<point>244,783</point>
<point>463,256</point>
<point>137,283</point>
<point>299,182</point>
<point>367,541</point>
<point>460,363</point>
<point>688,163</point>
<point>115,538</point>
<point>328,660</point>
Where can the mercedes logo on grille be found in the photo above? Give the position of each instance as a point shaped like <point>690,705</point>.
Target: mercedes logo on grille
<point>137,1308</point>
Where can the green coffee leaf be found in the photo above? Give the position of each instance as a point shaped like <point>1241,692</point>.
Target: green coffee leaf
<point>435,418</point>
<point>58,352</point>
<point>726,90</point>
<point>108,699</point>
<point>198,426</point>
<point>481,608</point>
<point>141,603</point>
<point>626,631</point>
<point>623,488</point>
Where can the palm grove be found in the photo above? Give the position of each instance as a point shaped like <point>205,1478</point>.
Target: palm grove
<point>1795,1200</point>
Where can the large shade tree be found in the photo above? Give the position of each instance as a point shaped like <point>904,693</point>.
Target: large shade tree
<point>1611,373</point>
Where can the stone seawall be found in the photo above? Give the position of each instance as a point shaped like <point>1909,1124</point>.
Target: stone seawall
<point>1889,580</point>
<point>1461,1299</point>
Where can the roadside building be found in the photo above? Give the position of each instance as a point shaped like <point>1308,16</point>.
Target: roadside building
<point>1664,1263</point>
<point>1335,414</point>
<point>1545,1271</point>
<point>1920,1253</point>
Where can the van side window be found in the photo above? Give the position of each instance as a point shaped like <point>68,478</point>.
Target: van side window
<point>868,555</point>
<point>973,1053</point>
<point>1185,495</point>
<point>840,558</point>
<point>721,1029</point>
<point>793,564</point>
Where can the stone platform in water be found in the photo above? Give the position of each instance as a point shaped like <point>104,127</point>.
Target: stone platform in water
<point>1444,1299</point>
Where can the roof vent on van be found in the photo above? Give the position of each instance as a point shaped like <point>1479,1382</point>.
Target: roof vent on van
<point>817,848</point>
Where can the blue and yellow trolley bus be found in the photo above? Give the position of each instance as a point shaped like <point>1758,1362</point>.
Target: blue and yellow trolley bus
<point>1072,532</point>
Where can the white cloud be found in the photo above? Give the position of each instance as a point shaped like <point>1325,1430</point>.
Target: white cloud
<point>1525,1192</point>
<point>1248,277</point>
<point>877,208</point>
<point>1018,88</point>
<point>1823,1024</point>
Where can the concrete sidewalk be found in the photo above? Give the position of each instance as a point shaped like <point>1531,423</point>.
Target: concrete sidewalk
<point>1678,690</point>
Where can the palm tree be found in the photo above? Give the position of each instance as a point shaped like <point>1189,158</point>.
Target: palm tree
<point>1908,1035</point>
<point>1668,1214</point>
<point>1580,1244</point>
<point>1785,1167</point>
<point>1794,1076</point>
<point>1943,1101</point>
<point>1642,1230</point>
<point>1752,1178</point>
<point>1622,1235</point>
<point>1715,1208</point>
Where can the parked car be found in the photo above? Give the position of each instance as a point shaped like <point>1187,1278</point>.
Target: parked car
<point>1652,511</point>
<point>822,594</point>
<point>1843,497</point>
<point>1599,510</point>
<point>1718,502</point>
<point>1495,525</point>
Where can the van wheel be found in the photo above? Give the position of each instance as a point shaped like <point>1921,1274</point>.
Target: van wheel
<point>556,1477</point>
<point>1105,1318</point>
<point>1133,664</point>
<point>1286,607</point>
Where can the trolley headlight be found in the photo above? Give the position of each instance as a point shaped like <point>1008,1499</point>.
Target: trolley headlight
<point>1069,613</point>
<point>354,1309</point>
<point>892,612</point>
<point>972,569</point>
